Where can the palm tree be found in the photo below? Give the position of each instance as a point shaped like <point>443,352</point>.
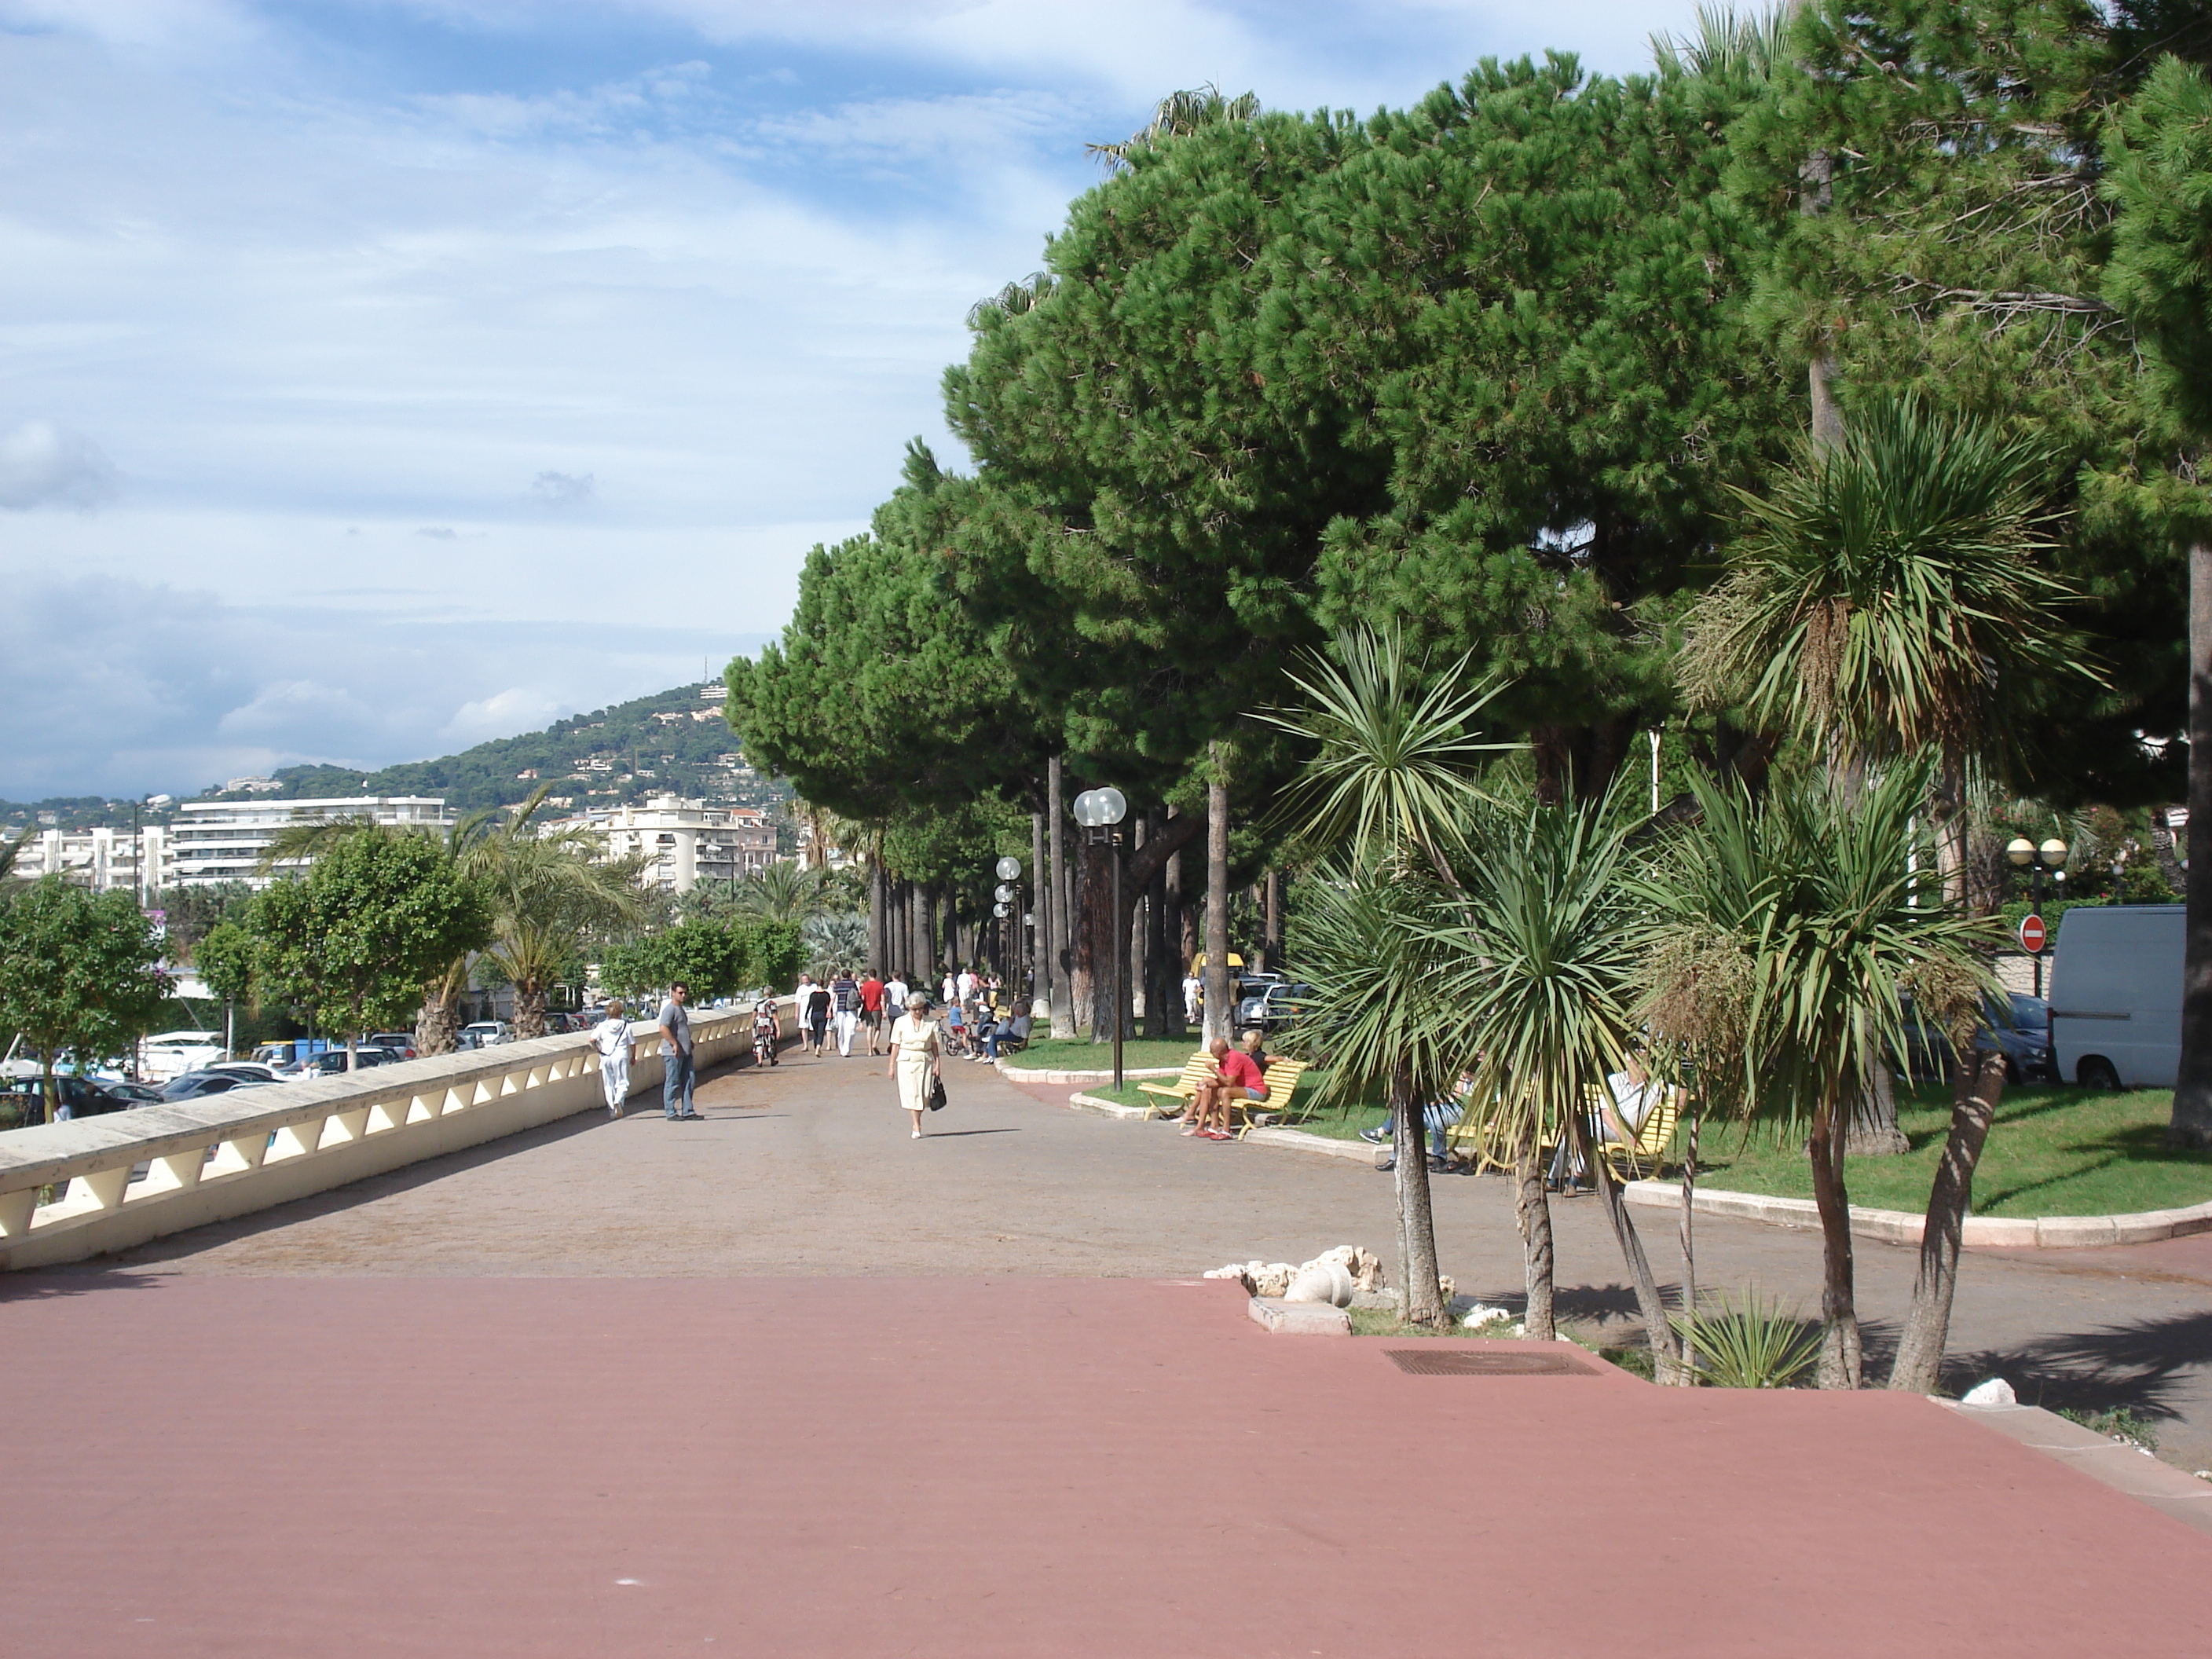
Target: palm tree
<point>1887,602</point>
<point>835,939</point>
<point>1395,778</point>
<point>1814,894</point>
<point>550,895</point>
<point>779,892</point>
<point>1727,42</point>
<point>1546,966</point>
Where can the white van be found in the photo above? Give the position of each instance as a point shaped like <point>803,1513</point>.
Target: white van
<point>2116,995</point>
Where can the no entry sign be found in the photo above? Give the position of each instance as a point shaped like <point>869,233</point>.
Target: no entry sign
<point>2033,935</point>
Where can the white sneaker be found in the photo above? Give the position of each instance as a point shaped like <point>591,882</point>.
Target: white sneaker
<point>917,1135</point>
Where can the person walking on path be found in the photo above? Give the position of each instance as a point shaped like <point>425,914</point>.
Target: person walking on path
<point>1193,991</point>
<point>617,1052</point>
<point>872,1009</point>
<point>675,1041</point>
<point>917,1057</point>
<point>816,1001</point>
<point>895,995</point>
<point>845,995</point>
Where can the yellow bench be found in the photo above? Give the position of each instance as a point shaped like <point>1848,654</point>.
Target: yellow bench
<point>1649,1145</point>
<point>1197,1072</point>
<point>1282,1080</point>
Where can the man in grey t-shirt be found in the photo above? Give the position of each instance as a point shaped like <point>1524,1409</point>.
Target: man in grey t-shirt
<point>676,1042</point>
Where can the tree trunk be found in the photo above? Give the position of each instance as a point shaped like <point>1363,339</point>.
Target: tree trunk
<point>1219,1016</point>
<point>529,1013</point>
<point>1273,946</point>
<point>1417,1227</point>
<point>1873,1130</point>
<point>1974,1097</point>
<point>1098,942</point>
<point>1036,938</point>
<point>2191,1124</point>
<point>1531,1213</point>
<point>1062,992</point>
<point>1688,1230</point>
<point>1657,1331</point>
<point>1181,943</point>
<point>1839,1338</point>
<point>438,1023</point>
<point>1162,993</point>
<point>925,940</point>
<point>878,904</point>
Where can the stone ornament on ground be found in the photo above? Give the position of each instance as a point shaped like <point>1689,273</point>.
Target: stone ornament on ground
<point>1331,1277</point>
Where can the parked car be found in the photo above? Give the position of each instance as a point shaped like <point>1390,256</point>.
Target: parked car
<point>332,1062</point>
<point>400,1045</point>
<point>2019,1027</point>
<point>251,1070</point>
<point>198,1085</point>
<point>485,1034</point>
<point>132,1094</point>
<point>80,1096</point>
<point>172,1053</point>
<point>1274,1008</point>
<point>2116,995</point>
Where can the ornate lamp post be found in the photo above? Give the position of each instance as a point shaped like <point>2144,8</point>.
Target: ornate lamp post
<point>2051,855</point>
<point>1100,811</point>
<point>1009,869</point>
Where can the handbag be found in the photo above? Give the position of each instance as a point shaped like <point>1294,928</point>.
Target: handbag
<point>937,1094</point>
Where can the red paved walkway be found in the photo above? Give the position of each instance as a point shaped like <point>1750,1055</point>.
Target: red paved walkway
<point>290,1466</point>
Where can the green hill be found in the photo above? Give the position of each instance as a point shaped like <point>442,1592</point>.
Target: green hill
<point>674,742</point>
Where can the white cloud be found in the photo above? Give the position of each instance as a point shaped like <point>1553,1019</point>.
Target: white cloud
<point>564,491</point>
<point>43,465</point>
<point>517,708</point>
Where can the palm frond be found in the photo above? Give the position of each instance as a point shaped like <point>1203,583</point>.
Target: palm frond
<point>1178,115</point>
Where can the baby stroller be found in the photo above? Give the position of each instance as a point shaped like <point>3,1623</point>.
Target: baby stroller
<point>766,1034</point>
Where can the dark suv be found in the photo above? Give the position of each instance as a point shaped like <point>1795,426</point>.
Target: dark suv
<point>24,1103</point>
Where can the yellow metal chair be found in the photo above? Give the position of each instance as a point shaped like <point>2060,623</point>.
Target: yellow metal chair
<point>1197,1072</point>
<point>1281,1077</point>
<point>1629,1159</point>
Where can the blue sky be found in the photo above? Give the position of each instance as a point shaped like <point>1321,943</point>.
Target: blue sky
<point>378,378</point>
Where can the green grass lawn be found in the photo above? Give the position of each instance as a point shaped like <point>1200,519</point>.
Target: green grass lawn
<point>2052,1151</point>
<point>1087,1056</point>
<point>1337,1122</point>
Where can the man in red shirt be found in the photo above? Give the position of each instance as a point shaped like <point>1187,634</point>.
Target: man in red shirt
<point>872,1008</point>
<point>1236,1078</point>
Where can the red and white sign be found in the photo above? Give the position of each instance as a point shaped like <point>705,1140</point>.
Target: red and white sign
<point>2033,935</point>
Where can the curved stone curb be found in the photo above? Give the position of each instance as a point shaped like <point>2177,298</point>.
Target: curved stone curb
<point>1110,1107</point>
<point>2054,1233</point>
<point>1298,1140</point>
<point>1016,1074</point>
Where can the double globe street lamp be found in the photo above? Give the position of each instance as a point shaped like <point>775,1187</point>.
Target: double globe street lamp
<point>1100,813</point>
<point>1003,895</point>
<point>2050,856</point>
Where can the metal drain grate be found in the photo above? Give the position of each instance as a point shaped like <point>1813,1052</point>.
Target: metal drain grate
<point>1464,1362</point>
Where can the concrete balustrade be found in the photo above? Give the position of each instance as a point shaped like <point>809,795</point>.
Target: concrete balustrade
<point>125,1177</point>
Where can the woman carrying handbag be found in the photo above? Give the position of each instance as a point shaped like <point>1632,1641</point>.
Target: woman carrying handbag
<point>917,1059</point>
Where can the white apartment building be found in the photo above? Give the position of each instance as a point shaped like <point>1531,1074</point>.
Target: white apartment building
<point>101,859</point>
<point>683,842</point>
<point>212,841</point>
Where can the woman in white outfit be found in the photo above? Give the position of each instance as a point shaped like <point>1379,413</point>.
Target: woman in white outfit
<point>917,1057</point>
<point>612,1037</point>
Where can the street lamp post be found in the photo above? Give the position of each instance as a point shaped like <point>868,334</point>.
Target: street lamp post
<point>1100,811</point>
<point>2051,855</point>
<point>1007,898</point>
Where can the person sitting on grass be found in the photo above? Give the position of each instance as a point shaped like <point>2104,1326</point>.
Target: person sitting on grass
<point>1235,1078</point>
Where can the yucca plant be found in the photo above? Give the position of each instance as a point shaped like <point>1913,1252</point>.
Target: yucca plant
<point>1395,777</point>
<point>1545,963</point>
<point>1748,1343</point>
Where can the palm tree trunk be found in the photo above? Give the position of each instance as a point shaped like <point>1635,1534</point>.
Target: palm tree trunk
<point>1974,1098</point>
<point>438,1025</point>
<point>1653,1306</point>
<point>1218,1014</point>
<point>1532,1211</point>
<point>1840,1364</point>
<point>1417,1226</point>
<point>1037,938</point>
<point>1688,1229</point>
<point>530,1010</point>
<point>1175,932</point>
<point>2192,1123</point>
